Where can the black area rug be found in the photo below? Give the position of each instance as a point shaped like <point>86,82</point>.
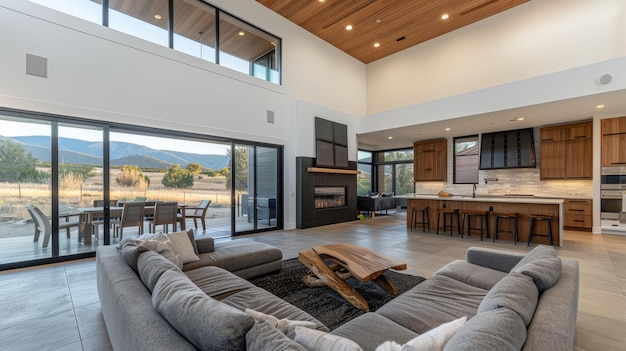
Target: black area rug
<point>324,303</point>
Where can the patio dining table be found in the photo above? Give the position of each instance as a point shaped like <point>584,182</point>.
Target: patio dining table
<point>89,214</point>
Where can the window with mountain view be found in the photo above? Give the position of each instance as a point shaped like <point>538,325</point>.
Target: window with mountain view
<point>52,184</point>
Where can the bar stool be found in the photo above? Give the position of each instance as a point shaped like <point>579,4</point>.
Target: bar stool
<point>425,218</point>
<point>504,215</point>
<point>482,216</point>
<point>540,217</point>
<point>449,212</point>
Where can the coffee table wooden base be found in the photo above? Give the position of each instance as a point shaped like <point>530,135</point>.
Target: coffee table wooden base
<point>329,278</point>
<point>348,260</point>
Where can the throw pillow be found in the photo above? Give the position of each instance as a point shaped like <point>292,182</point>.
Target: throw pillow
<point>317,340</point>
<point>515,291</point>
<point>263,337</point>
<point>207,323</point>
<point>432,340</point>
<point>283,325</point>
<point>159,243</point>
<point>184,247</point>
<point>542,265</point>
<point>501,329</point>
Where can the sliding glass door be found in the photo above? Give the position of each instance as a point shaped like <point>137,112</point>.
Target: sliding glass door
<point>49,171</point>
<point>256,201</point>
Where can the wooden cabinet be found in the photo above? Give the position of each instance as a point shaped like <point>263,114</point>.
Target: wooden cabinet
<point>614,141</point>
<point>566,151</point>
<point>430,163</point>
<point>552,163</point>
<point>577,214</point>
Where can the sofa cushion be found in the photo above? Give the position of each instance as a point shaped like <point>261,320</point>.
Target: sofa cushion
<point>472,274</point>
<point>435,301</point>
<point>517,292</point>
<point>495,330</point>
<point>151,266</point>
<point>237,254</point>
<point>217,282</point>
<point>542,265</point>
<point>207,323</point>
<point>263,337</point>
<point>436,338</point>
<point>131,253</point>
<point>260,300</point>
<point>205,245</point>
<point>317,340</point>
<point>370,330</point>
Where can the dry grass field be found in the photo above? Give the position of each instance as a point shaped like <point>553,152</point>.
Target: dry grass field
<point>75,194</point>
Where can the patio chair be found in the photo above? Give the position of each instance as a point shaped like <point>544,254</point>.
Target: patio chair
<point>198,212</point>
<point>164,214</point>
<point>42,224</point>
<point>96,222</point>
<point>132,216</point>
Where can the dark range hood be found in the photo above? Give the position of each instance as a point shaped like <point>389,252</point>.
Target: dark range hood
<point>508,149</point>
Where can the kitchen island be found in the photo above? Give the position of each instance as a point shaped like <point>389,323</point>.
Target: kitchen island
<point>522,205</point>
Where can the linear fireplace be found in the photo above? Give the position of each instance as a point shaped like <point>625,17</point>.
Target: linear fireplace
<point>324,196</point>
<point>329,196</point>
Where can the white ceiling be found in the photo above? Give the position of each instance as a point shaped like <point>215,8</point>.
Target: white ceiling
<point>563,111</point>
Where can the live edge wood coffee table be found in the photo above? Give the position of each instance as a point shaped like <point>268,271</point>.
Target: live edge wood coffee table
<point>347,260</point>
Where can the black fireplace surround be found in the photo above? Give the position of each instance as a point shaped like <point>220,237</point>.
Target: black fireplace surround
<point>328,206</point>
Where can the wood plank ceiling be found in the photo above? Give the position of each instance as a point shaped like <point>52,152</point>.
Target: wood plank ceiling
<point>394,24</point>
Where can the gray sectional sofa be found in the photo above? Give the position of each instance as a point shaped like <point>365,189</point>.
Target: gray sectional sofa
<point>513,301</point>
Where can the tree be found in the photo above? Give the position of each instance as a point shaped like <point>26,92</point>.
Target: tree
<point>241,169</point>
<point>131,176</point>
<point>194,168</point>
<point>16,165</point>
<point>176,177</point>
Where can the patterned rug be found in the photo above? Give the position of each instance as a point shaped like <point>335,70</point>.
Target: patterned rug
<point>324,303</point>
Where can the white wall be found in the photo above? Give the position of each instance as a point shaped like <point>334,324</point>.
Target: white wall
<point>534,39</point>
<point>98,73</point>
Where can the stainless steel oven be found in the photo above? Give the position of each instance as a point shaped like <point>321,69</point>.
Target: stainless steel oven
<point>612,191</point>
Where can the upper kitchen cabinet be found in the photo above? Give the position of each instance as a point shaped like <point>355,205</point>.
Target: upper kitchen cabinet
<point>430,160</point>
<point>614,141</point>
<point>510,149</point>
<point>566,151</point>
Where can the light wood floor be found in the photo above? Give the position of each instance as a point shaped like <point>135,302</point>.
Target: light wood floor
<point>56,307</point>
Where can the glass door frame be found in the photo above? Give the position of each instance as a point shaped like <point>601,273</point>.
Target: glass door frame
<point>54,121</point>
<point>279,188</point>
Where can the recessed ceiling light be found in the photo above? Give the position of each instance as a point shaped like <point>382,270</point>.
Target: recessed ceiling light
<point>242,33</point>
<point>320,0</point>
<point>389,137</point>
<point>445,16</point>
<point>515,119</point>
<point>349,27</point>
<point>157,16</point>
<point>600,106</point>
<point>447,129</point>
<point>376,45</point>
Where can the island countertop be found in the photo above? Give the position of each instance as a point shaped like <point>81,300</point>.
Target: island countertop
<point>523,205</point>
<point>478,198</point>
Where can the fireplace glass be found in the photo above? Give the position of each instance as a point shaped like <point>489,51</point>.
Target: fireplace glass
<point>329,197</point>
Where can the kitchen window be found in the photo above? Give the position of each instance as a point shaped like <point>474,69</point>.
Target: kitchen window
<point>466,160</point>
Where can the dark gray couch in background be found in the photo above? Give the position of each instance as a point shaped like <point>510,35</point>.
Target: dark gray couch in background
<point>370,204</point>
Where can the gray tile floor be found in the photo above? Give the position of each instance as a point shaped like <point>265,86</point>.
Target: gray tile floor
<point>56,307</point>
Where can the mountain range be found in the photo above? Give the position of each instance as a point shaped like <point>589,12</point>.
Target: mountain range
<point>75,151</point>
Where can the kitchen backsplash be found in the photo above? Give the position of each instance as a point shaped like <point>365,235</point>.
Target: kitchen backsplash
<point>522,181</point>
